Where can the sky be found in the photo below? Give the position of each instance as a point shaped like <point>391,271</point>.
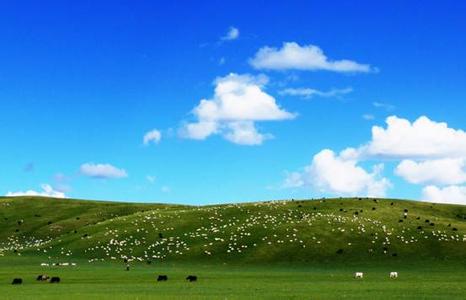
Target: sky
<point>215,102</point>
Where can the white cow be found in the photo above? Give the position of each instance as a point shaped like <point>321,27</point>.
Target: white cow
<point>393,275</point>
<point>359,275</point>
<point>44,265</point>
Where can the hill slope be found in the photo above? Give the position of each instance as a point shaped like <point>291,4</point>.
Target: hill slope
<point>356,229</point>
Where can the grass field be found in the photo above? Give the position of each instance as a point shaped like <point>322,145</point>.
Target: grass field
<point>282,249</point>
<point>110,281</point>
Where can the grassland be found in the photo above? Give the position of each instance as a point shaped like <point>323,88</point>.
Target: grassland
<point>280,249</point>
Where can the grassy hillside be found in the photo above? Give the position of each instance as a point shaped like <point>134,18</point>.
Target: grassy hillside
<point>312,231</point>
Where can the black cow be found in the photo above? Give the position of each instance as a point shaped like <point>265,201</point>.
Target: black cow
<point>42,277</point>
<point>191,278</point>
<point>55,280</point>
<point>162,278</point>
<point>17,281</point>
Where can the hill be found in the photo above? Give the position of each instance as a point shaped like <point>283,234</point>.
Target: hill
<point>308,231</point>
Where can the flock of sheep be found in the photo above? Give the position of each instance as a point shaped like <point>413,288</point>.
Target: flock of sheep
<point>228,230</point>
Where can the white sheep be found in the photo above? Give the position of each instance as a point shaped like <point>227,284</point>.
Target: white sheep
<point>359,275</point>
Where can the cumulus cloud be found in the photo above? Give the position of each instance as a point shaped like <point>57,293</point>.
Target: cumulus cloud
<point>103,171</point>
<point>421,139</point>
<point>450,194</point>
<point>152,136</point>
<point>47,191</point>
<point>239,101</point>
<point>445,171</point>
<point>309,57</point>
<point>232,34</point>
<point>337,174</point>
<point>309,93</point>
<point>429,153</point>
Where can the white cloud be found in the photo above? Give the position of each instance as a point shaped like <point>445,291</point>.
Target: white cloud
<point>47,191</point>
<point>102,171</point>
<point>239,101</point>
<point>310,57</point>
<point>245,133</point>
<point>152,136</point>
<point>450,194</point>
<point>336,174</point>
<point>309,93</point>
<point>430,153</point>
<point>232,34</point>
<point>445,171</point>
<point>422,139</point>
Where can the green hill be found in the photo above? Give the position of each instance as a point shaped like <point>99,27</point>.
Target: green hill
<point>311,231</point>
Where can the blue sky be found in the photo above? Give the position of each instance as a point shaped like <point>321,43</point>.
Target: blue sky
<point>82,83</point>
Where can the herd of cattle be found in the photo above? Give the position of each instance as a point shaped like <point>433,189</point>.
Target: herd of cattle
<point>42,277</point>
<point>190,278</point>
<point>56,279</point>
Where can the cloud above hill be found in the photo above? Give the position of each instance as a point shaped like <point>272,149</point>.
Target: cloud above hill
<point>421,139</point>
<point>292,56</point>
<point>239,102</point>
<point>336,174</point>
<point>443,171</point>
<point>428,153</point>
<point>102,171</point>
<point>47,191</point>
<point>450,194</point>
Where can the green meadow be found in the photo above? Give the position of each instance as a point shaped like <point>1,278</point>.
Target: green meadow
<point>280,249</point>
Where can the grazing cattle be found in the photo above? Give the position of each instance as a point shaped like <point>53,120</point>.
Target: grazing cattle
<point>55,280</point>
<point>393,275</point>
<point>191,278</point>
<point>42,277</point>
<point>17,281</point>
<point>358,275</point>
<point>162,278</point>
<point>44,264</point>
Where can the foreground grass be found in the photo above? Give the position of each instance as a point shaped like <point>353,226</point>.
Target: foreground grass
<point>432,280</point>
